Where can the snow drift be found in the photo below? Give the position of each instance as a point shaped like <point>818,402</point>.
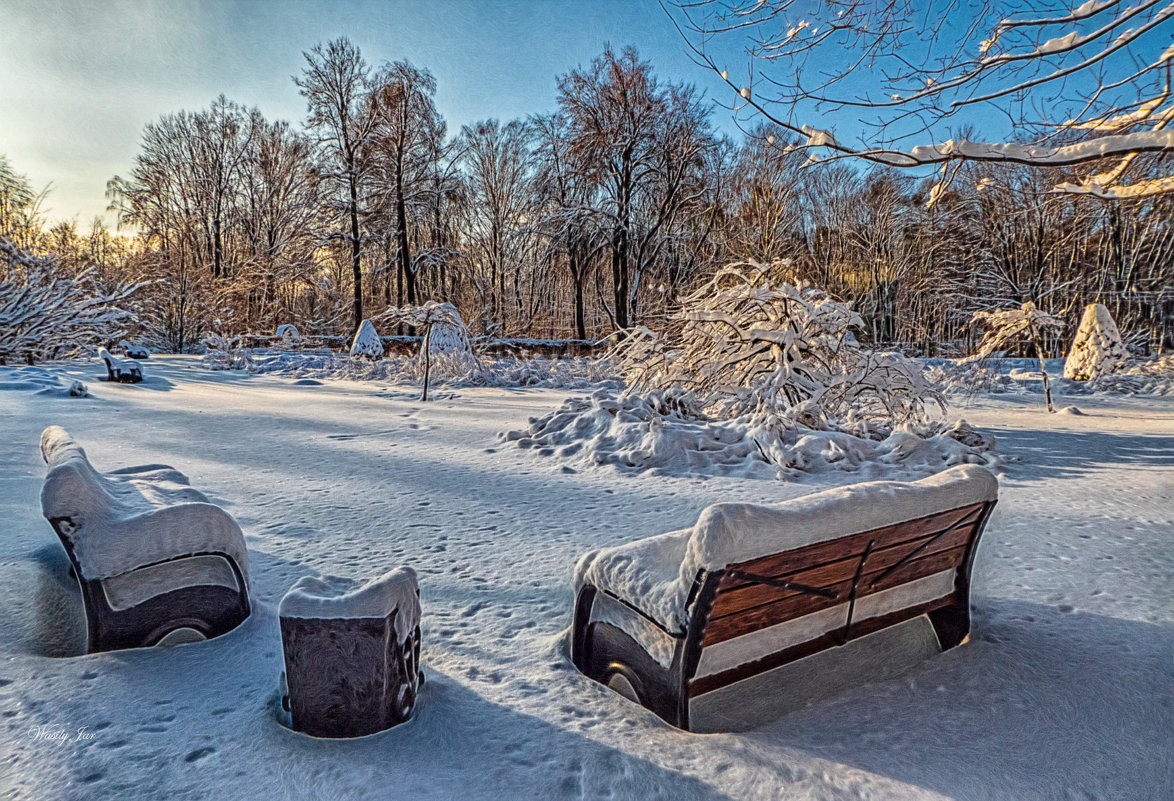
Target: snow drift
<point>664,433</point>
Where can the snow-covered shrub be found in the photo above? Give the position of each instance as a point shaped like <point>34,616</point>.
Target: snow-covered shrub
<point>1006,327</point>
<point>446,344</point>
<point>224,353</point>
<point>366,342</point>
<point>1154,377</point>
<point>664,432</point>
<point>289,335</point>
<point>45,313</point>
<point>1098,349</point>
<point>747,342</point>
<point>967,377</point>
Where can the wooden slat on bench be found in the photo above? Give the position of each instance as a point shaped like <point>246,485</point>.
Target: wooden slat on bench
<point>835,549</point>
<point>798,604</point>
<point>715,681</point>
<point>735,595</point>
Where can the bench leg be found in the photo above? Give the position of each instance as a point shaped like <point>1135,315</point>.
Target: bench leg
<point>951,624</point>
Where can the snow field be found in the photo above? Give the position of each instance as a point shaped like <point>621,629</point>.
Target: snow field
<point>1064,692</point>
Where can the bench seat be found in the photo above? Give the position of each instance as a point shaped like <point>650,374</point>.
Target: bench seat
<point>751,588</point>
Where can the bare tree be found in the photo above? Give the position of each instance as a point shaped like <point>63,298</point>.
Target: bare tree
<point>408,129</point>
<point>498,161</point>
<point>336,84</point>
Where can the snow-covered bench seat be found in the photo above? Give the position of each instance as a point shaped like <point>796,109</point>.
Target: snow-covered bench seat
<point>750,589</point>
<point>120,370</point>
<point>352,654</point>
<point>156,562</point>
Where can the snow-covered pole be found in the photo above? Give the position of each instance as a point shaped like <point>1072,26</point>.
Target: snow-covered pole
<point>427,361</point>
<point>1043,368</point>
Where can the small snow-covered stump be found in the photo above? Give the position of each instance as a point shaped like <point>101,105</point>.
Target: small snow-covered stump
<point>352,654</point>
<point>119,370</point>
<point>702,625</point>
<point>133,351</point>
<point>1098,349</point>
<point>366,342</point>
<point>157,563</point>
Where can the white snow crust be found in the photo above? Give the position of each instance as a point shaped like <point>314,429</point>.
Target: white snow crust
<point>333,597</point>
<point>657,576</point>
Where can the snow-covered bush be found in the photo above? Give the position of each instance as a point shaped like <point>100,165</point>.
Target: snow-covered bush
<point>663,432</point>
<point>1006,327</point>
<point>45,313</point>
<point>446,340</point>
<point>224,353</point>
<point>1098,349</point>
<point>749,343</point>
<point>289,335</point>
<point>366,342</point>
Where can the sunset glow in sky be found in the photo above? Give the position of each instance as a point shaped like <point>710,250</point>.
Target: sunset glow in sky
<point>79,80</point>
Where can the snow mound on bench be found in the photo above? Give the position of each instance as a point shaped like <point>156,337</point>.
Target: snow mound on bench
<point>339,598</point>
<point>645,431</point>
<point>131,517</point>
<point>41,381</point>
<point>657,573</point>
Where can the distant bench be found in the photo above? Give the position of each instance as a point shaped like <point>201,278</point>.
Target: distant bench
<point>119,370</point>
<point>750,589</point>
<point>156,563</point>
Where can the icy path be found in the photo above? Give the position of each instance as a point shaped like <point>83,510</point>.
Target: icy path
<point>1067,691</point>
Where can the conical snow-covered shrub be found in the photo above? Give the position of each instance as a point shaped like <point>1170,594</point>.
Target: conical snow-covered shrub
<point>1098,349</point>
<point>367,342</point>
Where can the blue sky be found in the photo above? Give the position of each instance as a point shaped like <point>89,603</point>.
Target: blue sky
<point>78,81</point>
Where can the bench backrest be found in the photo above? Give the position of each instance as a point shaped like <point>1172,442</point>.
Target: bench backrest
<point>899,554</point>
<point>841,575</point>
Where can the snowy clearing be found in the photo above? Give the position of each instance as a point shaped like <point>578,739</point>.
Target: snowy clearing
<point>1064,692</point>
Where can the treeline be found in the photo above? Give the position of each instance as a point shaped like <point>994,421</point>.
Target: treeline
<point>577,223</point>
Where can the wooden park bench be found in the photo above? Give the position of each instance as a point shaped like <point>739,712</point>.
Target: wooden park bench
<point>749,590</point>
<point>352,654</point>
<point>120,370</point>
<point>157,563</point>
<point>133,351</point>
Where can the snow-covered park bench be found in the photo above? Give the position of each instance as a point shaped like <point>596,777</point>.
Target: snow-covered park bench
<point>352,655</point>
<point>133,351</point>
<point>749,591</point>
<point>156,562</point>
<point>120,370</point>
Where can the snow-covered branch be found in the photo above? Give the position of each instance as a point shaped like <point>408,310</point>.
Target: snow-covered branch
<point>1076,84</point>
<point>44,312</point>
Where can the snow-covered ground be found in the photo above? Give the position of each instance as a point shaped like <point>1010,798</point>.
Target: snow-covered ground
<point>1065,692</point>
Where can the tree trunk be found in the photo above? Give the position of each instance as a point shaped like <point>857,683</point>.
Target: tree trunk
<point>356,256</point>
